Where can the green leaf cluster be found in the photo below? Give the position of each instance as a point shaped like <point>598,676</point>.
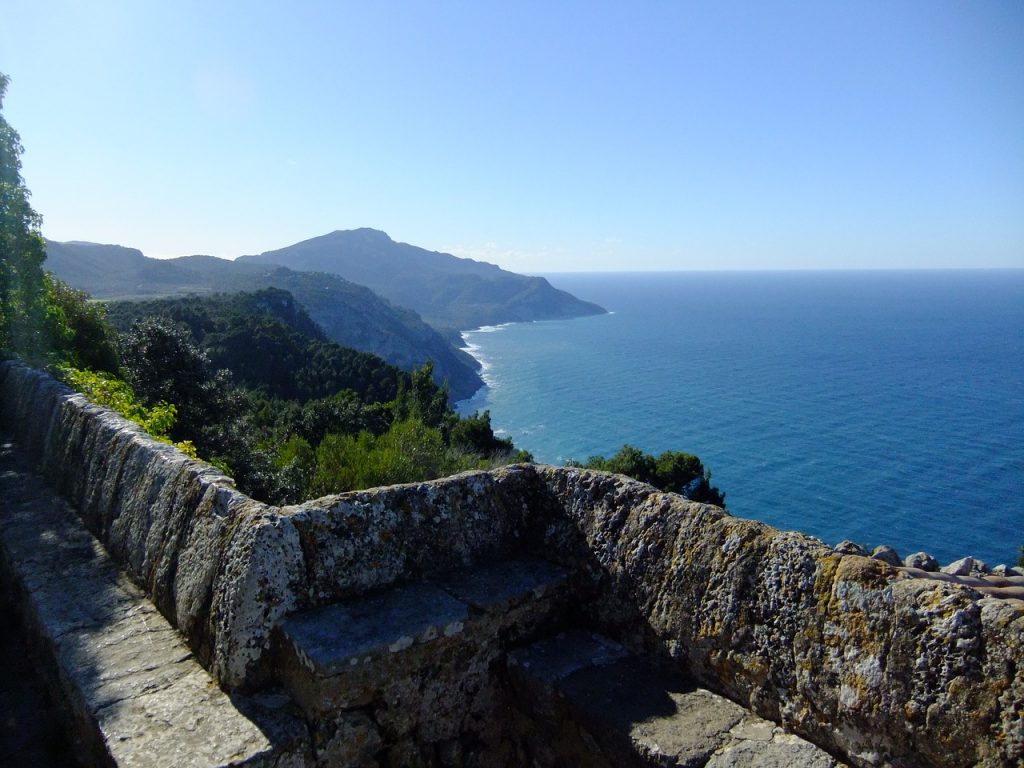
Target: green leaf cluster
<point>25,323</point>
<point>672,471</point>
<point>107,390</point>
<point>269,343</point>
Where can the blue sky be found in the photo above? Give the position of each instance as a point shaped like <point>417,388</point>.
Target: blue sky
<point>541,136</point>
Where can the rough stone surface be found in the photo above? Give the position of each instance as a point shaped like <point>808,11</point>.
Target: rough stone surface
<point>843,650</point>
<point>599,706</point>
<point>962,567</point>
<point>415,664</point>
<point>781,750</point>
<point>847,547</point>
<point>887,554</point>
<point>334,640</point>
<point>921,560</point>
<point>498,587</point>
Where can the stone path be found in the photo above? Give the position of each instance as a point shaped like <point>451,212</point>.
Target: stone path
<point>127,677</point>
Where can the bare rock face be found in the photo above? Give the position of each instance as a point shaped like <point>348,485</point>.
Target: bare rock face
<point>847,547</point>
<point>921,560</point>
<point>887,554</point>
<point>965,566</point>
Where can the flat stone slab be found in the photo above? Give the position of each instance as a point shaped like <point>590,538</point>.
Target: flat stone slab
<point>131,684</point>
<point>629,713</point>
<point>330,640</point>
<point>553,659</point>
<point>497,586</point>
<point>776,749</point>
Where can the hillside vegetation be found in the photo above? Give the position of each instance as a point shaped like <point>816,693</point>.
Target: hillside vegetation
<point>258,389</point>
<point>269,344</point>
<point>349,314</point>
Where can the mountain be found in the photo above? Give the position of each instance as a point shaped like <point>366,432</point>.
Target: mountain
<point>447,291</point>
<point>349,314</point>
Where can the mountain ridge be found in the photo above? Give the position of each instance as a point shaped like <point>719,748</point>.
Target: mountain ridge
<point>448,291</point>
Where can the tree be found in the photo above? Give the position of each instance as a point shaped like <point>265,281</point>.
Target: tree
<point>475,434</point>
<point>163,364</point>
<point>23,327</point>
<point>424,400</point>
<point>78,328</point>
<point>672,471</point>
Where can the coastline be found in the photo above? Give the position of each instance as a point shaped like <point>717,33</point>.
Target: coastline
<point>468,405</point>
<point>826,403</point>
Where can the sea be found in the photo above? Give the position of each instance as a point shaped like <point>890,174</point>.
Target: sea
<point>885,407</point>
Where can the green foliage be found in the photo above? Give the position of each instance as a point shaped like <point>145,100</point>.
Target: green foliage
<point>23,326</point>
<point>163,364</point>
<point>474,434</point>
<point>41,319</point>
<point>81,334</point>
<point>409,451</point>
<point>341,413</point>
<point>269,344</point>
<point>348,314</point>
<point>671,471</point>
<point>296,464</point>
<point>107,390</point>
<point>295,415</point>
<point>423,400</point>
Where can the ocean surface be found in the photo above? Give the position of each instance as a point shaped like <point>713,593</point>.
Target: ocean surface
<point>883,407</point>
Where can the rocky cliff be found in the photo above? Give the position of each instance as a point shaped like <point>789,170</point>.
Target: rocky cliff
<point>864,659</point>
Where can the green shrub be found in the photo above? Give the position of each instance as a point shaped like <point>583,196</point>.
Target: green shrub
<point>672,471</point>
<point>104,389</point>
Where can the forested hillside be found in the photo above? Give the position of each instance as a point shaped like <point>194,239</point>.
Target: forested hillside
<point>349,314</point>
<point>270,345</point>
<point>257,388</point>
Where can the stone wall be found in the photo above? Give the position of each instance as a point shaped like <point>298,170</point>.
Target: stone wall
<point>845,650</point>
<point>852,653</point>
<point>225,569</point>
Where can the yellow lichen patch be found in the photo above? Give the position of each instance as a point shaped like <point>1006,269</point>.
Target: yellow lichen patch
<point>867,571</point>
<point>826,566</point>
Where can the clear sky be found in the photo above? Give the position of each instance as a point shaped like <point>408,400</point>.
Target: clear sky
<point>543,136</point>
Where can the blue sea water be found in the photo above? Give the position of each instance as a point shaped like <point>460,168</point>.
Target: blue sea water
<point>883,407</point>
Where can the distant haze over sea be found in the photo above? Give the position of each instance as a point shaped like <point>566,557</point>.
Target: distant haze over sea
<point>883,407</point>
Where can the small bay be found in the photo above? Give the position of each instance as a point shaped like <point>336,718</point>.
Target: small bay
<point>883,407</point>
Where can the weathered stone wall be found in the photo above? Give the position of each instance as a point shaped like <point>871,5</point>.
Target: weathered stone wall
<point>848,651</point>
<point>225,569</point>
